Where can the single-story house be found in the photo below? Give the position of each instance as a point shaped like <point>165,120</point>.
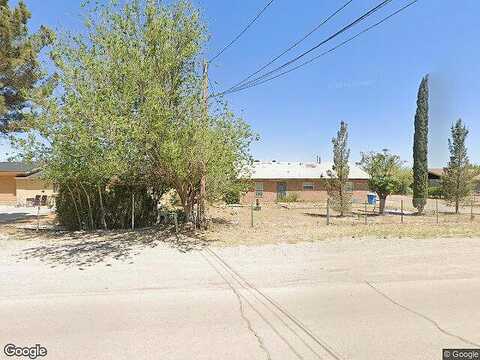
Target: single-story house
<point>273,180</point>
<point>435,178</point>
<point>20,183</point>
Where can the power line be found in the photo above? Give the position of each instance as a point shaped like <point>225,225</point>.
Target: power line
<point>256,83</point>
<point>211,85</point>
<point>243,31</point>
<point>339,32</point>
<point>296,43</point>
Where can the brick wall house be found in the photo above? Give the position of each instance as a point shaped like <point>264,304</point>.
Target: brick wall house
<point>435,179</point>
<point>272,180</point>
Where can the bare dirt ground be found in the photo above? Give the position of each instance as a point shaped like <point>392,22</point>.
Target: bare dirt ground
<point>296,222</point>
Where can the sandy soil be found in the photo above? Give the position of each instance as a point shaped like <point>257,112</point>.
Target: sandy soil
<point>296,222</point>
<point>158,297</point>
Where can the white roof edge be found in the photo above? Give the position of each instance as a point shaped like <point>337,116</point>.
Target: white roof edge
<point>282,170</point>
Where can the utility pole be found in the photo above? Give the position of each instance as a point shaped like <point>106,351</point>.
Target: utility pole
<point>203,180</point>
<point>133,210</point>
<point>328,211</point>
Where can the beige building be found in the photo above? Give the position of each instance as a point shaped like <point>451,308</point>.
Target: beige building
<point>21,184</point>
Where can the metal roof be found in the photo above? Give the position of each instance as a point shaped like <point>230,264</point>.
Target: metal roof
<point>439,172</point>
<point>298,170</point>
<point>20,167</point>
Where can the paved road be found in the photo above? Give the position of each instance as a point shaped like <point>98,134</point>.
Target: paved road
<point>344,299</point>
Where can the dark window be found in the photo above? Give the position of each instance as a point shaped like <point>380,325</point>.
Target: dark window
<point>259,189</point>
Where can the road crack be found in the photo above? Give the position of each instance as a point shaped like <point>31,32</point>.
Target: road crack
<point>419,314</point>
<point>250,328</point>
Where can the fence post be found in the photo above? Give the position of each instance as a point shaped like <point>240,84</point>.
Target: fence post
<point>251,215</point>
<point>175,219</point>
<point>366,213</point>
<point>402,211</point>
<point>38,217</point>
<point>328,211</point>
<point>133,211</point>
<point>472,217</point>
<point>436,206</point>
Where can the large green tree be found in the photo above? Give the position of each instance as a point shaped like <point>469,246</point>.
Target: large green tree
<point>339,193</point>
<point>420,149</point>
<point>19,66</point>
<point>131,113</point>
<point>457,181</point>
<point>383,169</point>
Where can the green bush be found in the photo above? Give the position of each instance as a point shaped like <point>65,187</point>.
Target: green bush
<point>232,196</point>
<point>435,192</point>
<point>72,207</point>
<point>290,197</point>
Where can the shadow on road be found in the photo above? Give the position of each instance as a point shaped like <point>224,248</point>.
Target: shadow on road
<point>20,217</point>
<point>84,249</point>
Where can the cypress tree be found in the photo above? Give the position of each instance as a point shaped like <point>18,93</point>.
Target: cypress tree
<point>420,149</point>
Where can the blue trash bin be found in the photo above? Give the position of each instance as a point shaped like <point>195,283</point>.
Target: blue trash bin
<point>372,199</point>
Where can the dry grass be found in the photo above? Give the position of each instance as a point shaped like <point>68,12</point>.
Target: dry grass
<point>289,223</point>
<point>307,222</point>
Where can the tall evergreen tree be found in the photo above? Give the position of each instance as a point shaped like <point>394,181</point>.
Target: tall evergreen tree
<point>420,149</point>
<point>338,189</point>
<point>19,67</point>
<point>457,181</point>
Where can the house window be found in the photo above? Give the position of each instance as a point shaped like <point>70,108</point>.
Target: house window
<point>307,186</point>
<point>349,186</point>
<point>258,189</point>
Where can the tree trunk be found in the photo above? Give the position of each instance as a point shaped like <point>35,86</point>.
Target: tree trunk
<point>133,210</point>
<point>76,208</point>
<point>187,205</point>
<point>383,200</point>
<point>457,207</point>
<point>202,208</point>
<point>90,214</point>
<point>82,207</point>
<point>102,209</point>
<point>342,208</point>
<point>191,216</point>
<point>420,209</point>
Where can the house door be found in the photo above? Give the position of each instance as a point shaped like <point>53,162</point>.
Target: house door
<point>281,190</point>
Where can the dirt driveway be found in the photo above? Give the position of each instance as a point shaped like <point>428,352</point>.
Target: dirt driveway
<point>14,214</point>
<point>156,299</point>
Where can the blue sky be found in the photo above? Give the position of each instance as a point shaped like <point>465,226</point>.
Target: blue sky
<point>371,83</point>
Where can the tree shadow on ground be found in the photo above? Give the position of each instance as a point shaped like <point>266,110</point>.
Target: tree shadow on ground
<point>20,217</point>
<point>84,249</point>
<point>337,216</point>
<point>221,221</point>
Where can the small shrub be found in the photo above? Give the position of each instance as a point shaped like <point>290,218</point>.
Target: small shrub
<point>290,197</point>
<point>435,192</point>
<point>232,196</point>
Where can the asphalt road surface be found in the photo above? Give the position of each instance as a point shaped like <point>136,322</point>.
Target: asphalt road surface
<point>343,299</point>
